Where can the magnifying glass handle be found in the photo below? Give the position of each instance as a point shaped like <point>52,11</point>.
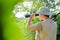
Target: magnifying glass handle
<point>36,14</point>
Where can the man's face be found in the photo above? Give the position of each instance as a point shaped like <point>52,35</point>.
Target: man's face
<point>41,16</point>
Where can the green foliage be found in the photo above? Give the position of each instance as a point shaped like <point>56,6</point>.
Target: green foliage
<point>58,28</point>
<point>35,20</point>
<point>13,29</point>
<point>58,23</point>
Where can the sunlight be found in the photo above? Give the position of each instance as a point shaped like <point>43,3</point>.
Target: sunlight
<point>20,14</point>
<point>27,4</point>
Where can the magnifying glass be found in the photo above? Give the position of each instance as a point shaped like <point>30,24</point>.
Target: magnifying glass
<point>28,15</point>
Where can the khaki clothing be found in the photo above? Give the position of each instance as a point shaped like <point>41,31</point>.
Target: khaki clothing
<point>46,30</point>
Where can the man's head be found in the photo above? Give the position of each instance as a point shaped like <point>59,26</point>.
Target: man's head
<point>44,13</point>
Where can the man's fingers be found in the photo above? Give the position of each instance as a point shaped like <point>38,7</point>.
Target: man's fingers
<point>33,15</point>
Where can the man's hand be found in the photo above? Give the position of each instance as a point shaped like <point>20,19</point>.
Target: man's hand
<point>30,20</point>
<point>32,16</point>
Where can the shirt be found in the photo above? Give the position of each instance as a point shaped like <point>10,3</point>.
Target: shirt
<point>46,30</point>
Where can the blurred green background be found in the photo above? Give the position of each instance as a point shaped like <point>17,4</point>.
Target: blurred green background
<point>13,28</point>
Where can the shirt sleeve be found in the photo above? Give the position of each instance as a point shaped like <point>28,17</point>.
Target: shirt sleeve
<point>35,26</point>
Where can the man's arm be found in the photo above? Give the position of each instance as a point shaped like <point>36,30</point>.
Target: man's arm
<point>30,26</point>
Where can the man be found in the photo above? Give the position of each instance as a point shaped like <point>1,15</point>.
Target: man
<point>47,28</point>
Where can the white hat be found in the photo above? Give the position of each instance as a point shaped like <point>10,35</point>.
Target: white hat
<point>44,10</point>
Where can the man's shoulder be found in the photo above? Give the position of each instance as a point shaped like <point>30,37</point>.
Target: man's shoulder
<point>38,24</point>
